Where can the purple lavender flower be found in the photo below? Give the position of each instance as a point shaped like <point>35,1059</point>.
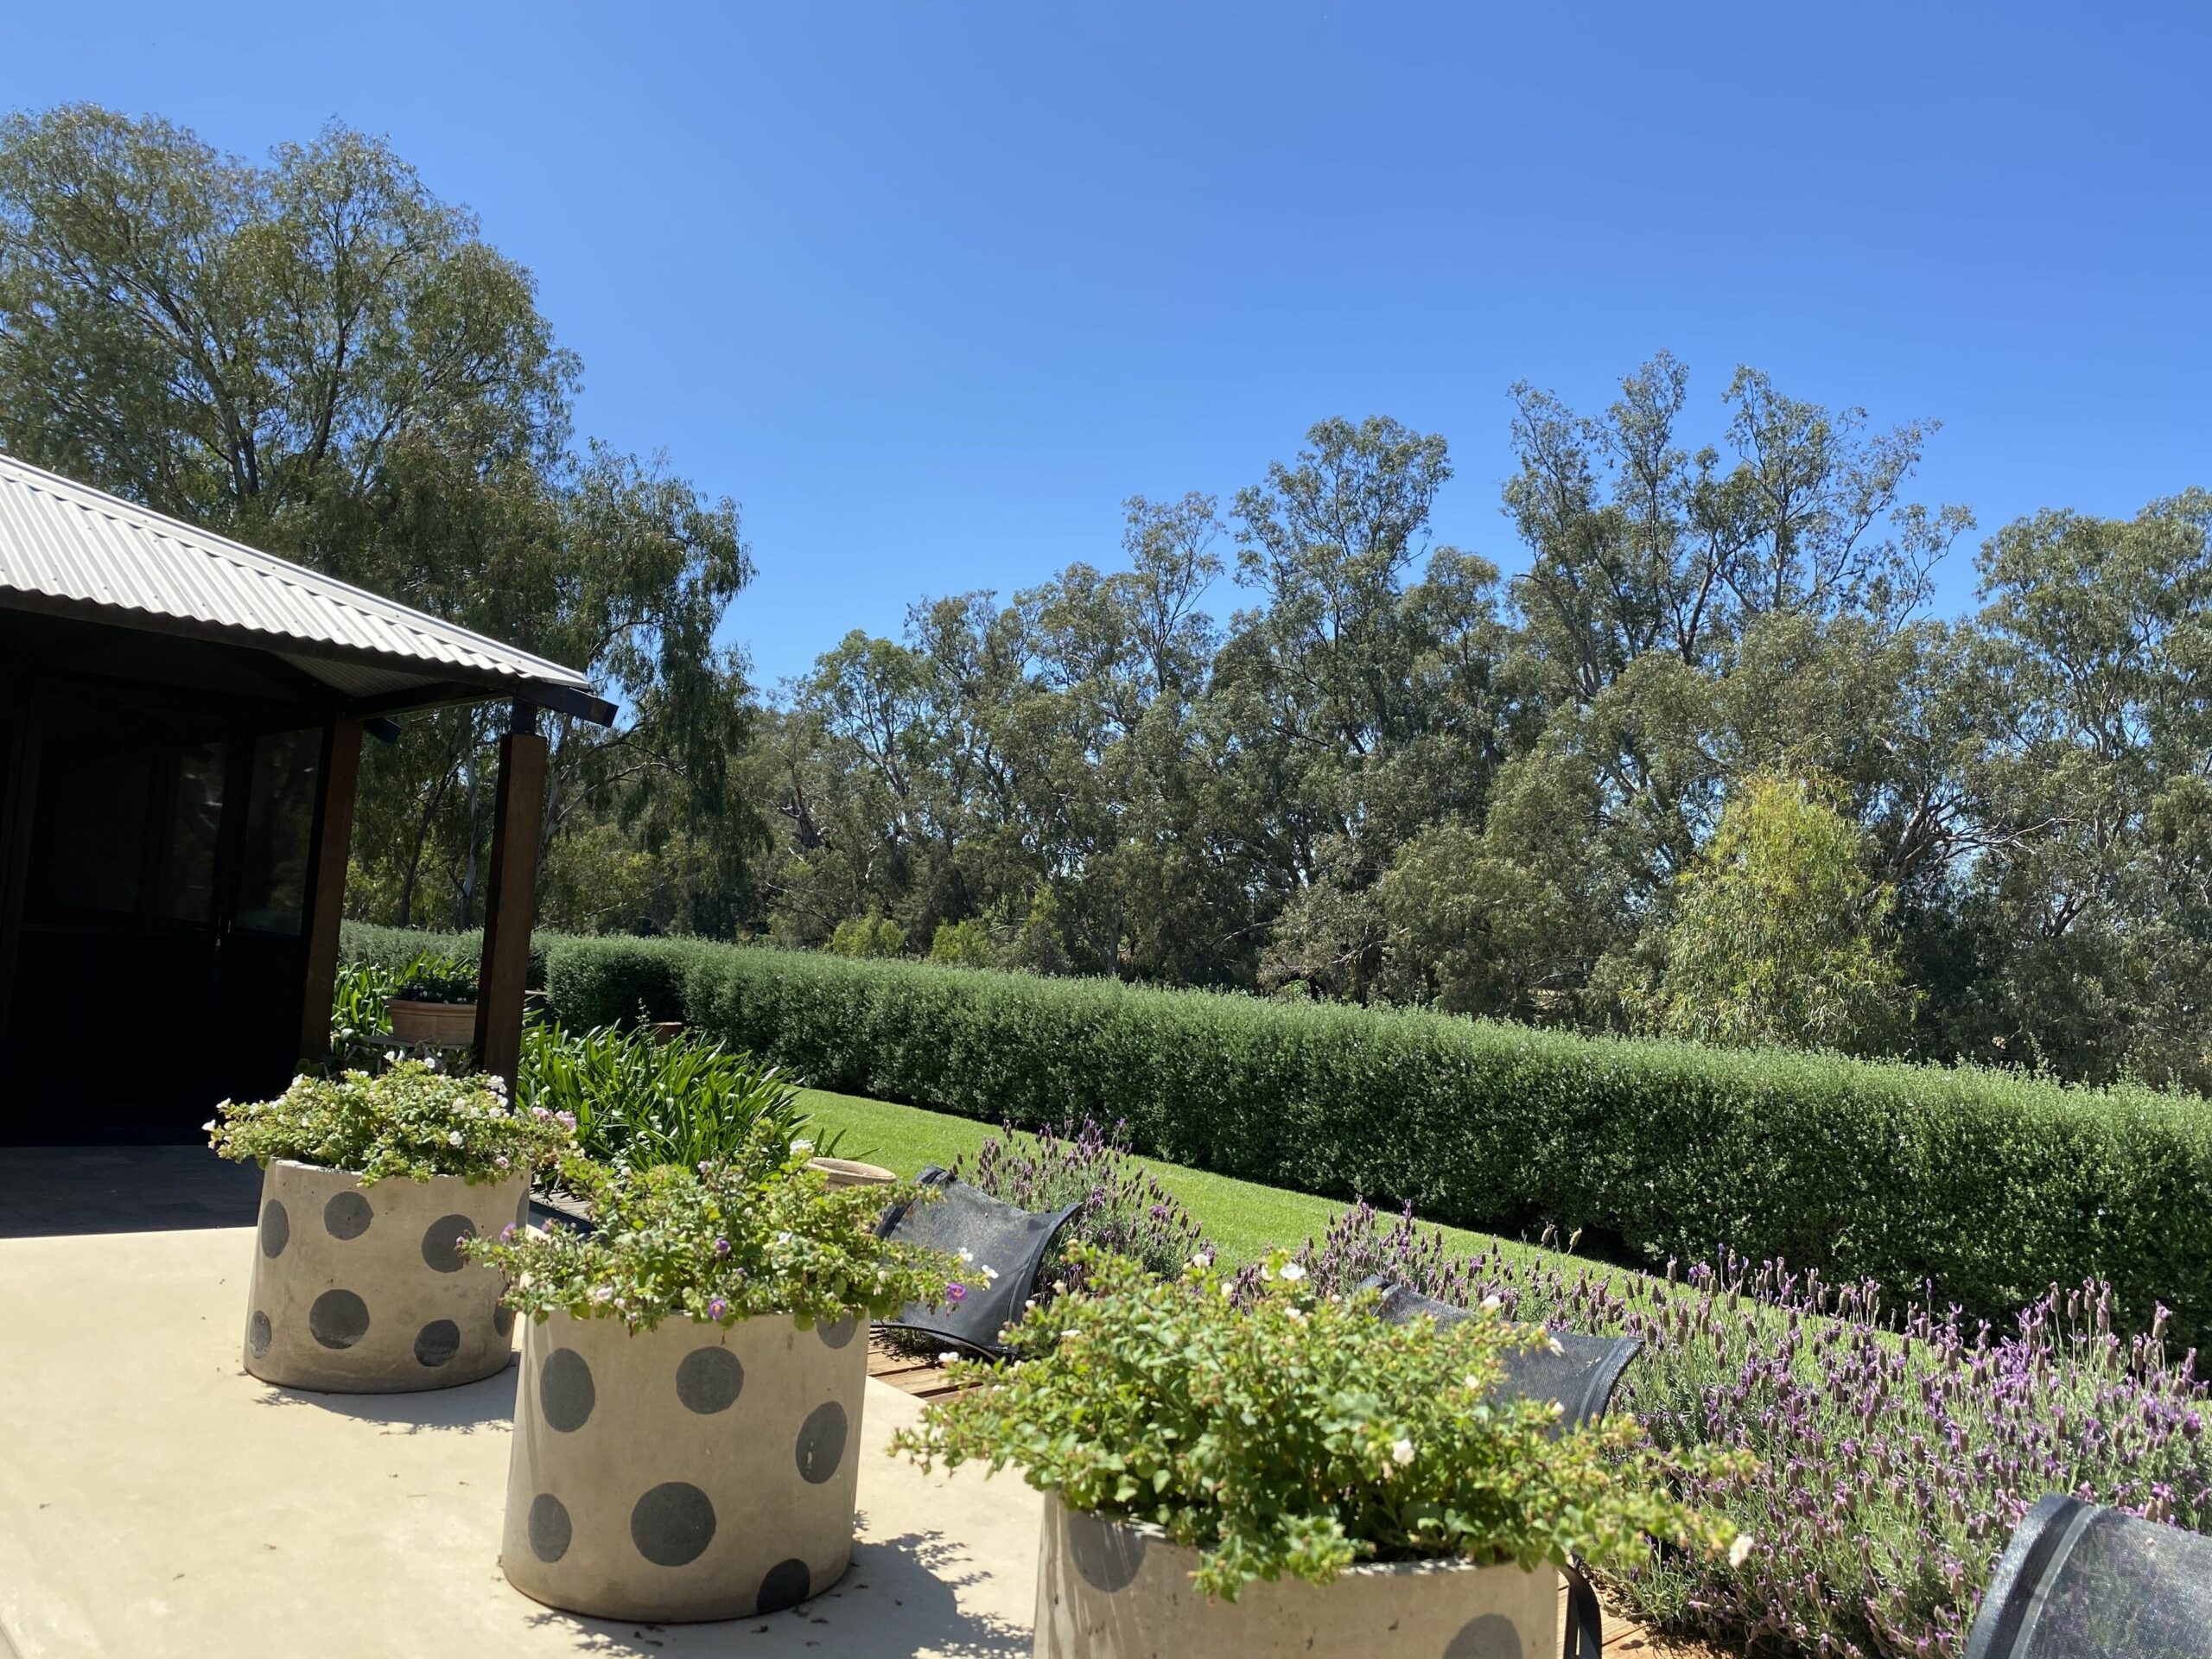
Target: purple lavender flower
<point>717,1308</point>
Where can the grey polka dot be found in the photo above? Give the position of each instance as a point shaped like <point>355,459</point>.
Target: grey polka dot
<point>672,1524</point>
<point>347,1214</point>
<point>549,1530</point>
<point>1108,1556</point>
<point>276,1230</point>
<point>441,1244</point>
<point>840,1333</point>
<point>565,1394</point>
<point>786,1585</point>
<point>1490,1636</point>
<point>822,1442</point>
<point>436,1343</point>
<point>339,1318</point>
<point>259,1334</point>
<point>503,1320</point>
<point>708,1380</point>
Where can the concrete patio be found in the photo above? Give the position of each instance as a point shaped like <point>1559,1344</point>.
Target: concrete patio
<point>155,1500</point>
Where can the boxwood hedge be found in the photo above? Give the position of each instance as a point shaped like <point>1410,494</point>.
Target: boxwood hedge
<point>1962,1186</point>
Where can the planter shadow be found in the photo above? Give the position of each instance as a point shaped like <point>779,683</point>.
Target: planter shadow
<point>487,1403</point>
<point>898,1597</point>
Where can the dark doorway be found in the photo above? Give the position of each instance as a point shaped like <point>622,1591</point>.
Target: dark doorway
<point>160,953</point>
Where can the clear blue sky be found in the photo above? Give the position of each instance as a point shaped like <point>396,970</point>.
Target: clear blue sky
<point>930,288</point>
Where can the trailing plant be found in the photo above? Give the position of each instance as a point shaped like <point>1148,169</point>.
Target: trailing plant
<point>639,1100</point>
<point>1122,1206</point>
<point>409,1120</point>
<point>1895,1454</point>
<point>1300,1434</point>
<point>756,1234</point>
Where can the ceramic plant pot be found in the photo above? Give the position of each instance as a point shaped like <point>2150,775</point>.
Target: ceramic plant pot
<point>685,1472</point>
<point>437,1023</point>
<point>360,1290</point>
<point>1107,1590</point>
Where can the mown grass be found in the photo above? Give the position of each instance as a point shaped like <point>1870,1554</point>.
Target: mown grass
<point>1242,1217</point>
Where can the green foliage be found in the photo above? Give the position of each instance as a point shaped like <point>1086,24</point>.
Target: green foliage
<point>963,944</point>
<point>361,1027</point>
<point>410,1121</point>
<point>867,936</point>
<point>1778,935</point>
<point>757,1234</point>
<point>1967,1186</point>
<point>435,977</point>
<point>1297,1435</point>
<point>639,1101</point>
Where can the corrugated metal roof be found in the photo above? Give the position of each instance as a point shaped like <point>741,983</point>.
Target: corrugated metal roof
<point>86,552</point>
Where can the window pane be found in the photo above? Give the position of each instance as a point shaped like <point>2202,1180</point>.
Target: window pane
<point>184,879</point>
<point>279,831</point>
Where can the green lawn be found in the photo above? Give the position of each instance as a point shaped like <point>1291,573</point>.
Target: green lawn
<point>1242,1217</point>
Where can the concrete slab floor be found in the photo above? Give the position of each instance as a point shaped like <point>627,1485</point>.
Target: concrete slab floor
<point>155,1501</point>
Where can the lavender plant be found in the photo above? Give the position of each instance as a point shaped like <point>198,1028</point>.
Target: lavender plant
<point>1124,1208</point>
<point>1897,1453</point>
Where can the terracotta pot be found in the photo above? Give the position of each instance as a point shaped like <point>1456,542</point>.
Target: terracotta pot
<point>359,1290</point>
<point>844,1172</point>
<point>667,1031</point>
<point>441,1023</point>
<point>1109,1590</point>
<point>685,1472</point>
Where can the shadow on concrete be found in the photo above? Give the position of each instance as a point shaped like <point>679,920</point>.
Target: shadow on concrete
<point>898,1598</point>
<point>464,1411</point>
<point>59,1191</point>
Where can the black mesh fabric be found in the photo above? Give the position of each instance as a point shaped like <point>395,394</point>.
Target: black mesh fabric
<point>996,1236</point>
<point>2081,1582</point>
<point>1581,1377</point>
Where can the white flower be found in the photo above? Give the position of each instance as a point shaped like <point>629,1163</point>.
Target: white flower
<point>1201,1261</point>
<point>988,1274</point>
<point>1227,1288</point>
<point>602,1294</point>
<point>947,1356</point>
<point>1740,1551</point>
<point>1295,1313</point>
<point>1473,1383</point>
<point>1401,1453</point>
<point>1293,1273</point>
<point>1491,1304</point>
<point>453,1137</point>
<point>208,1127</point>
<point>967,1257</point>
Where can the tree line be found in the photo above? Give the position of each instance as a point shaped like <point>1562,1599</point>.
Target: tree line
<point>1706,765</point>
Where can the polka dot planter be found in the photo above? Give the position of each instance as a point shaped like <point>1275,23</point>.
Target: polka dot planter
<point>685,1472</point>
<point>361,1290</point>
<point>1106,1590</point>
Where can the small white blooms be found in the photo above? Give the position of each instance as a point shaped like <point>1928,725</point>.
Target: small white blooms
<point>988,1274</point>
<point>1474,1384</point>
<point>1227,1288</point>
<point>1201,1261</point>
<point>453,1137</point>
<point>946,1357</point>
<point>802,1145</point>
<point>602,1294</point>
<point>1401,1453</point>
<point>1553,1346</point>
<point>208,1127</point>
<point>1295,1313</point>
<point>1293,1272</point>
<point>967,1258</point>
<point>1491,1304</point>
<point>1029,1305</point>
<point>1740,1551</point>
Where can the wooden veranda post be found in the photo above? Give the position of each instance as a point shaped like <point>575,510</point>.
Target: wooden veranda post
<point>511,895</point>
<point>333,844</point>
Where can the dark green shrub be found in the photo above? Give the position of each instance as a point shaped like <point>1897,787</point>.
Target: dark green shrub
<point>1970,1186</point>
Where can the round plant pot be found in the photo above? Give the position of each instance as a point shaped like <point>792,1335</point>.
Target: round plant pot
<point>846,1172</point>
<point>689,1471</point>
<point>441,1023</point>
<point>667,1031</point>
<point>1110,1589</point>
<point>360,1290</point>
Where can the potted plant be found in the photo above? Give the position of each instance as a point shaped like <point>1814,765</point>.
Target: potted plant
<point>1286,1474</point>
<point>369,1185</point>
<point>687,1427</point>
<point>435,1002</point>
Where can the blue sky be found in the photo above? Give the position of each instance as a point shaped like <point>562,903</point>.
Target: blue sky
<point>929,288</point>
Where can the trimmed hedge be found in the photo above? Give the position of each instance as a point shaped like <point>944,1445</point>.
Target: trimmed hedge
<point>1968,1186</point>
